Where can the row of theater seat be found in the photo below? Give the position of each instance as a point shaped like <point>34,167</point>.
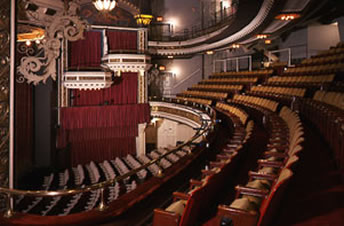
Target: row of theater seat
<point>230,80</point>
<point>244,73</point>
<point>242,115</point>
<point>204,94</point>
<point>332,98</point>
<point>315,69</point>
<point>258,198</point>
<point>83,175</point>
<point>188,207</point>
<point>262,102</point>
<point>327,106</point>
<point>324,60</point>
<point>306,80</point>
<point>339,49</point>
<point>195,100</point>
<point>217,87</point>
<point>299,92</point>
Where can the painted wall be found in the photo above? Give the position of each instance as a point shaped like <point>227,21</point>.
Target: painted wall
<point>322,37</point>
<point>169,132</point>
<point>188,72</point>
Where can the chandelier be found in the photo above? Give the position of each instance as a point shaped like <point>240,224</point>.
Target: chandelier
<point>104,5</point>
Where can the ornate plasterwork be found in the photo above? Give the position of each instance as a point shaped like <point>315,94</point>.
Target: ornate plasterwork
<point>40,67</point>
<point>127,63</point>
<point>4,93</point>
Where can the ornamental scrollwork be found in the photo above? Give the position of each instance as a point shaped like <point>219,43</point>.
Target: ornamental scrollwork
<point>38,68</point>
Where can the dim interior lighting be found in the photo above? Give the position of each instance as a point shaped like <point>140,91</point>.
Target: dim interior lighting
<point>210,52</point>
<point>287,17</point>
<point>162,68</point>
<point>225,4</point>
<point>262,36</point>
<point>173,22</point>
<point>104,5</point>
<point>267,41</point>
<point>175,71</point>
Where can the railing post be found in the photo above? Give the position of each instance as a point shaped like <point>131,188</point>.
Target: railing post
<point>102,205</point>
<point>225,65</point>
<point>9,208</point>
<point>250,63</point>
<point>289,57</point>
<point>237,64</point>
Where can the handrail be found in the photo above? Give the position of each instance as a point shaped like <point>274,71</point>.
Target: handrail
<point>224,18</point>
<point>102,185</point>
<point>237,63</point>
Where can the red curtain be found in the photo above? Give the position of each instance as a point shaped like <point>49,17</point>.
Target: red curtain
<point>24,153</point>
<point>123,91</point>
<point>121,40</point>
<point>104,116</point>
<point>101,132</point>
<point>86,52</point>
<point>100,150</point>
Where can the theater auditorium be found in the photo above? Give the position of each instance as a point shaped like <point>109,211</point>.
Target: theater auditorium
<point>172,112</point>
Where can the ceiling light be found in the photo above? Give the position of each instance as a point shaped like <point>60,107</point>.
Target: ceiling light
<point>210,52</point>
<point>104,5</point>
<point>287,16</point>
<point>262,36</point>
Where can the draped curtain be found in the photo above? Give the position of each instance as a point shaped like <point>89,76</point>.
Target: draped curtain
<point>86,52</point>
<point>123,91</point>
<point>101,132</point>
<point>121,40</point>
<point>100,150</point>
<point>104,116</point>
<point>24,153</point>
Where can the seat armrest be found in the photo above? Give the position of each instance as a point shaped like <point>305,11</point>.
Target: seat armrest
<point>275,164</point>
<point>275,154</point>
<point>261,176</point>
<point>180,195</point>
<point>216,164</point>
<point>195,182</point>
<point>242,190</point>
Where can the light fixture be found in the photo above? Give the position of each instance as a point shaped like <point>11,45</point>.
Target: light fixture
<point>235,46</point>
<point>159,19</point>
<point>287,16</point>
<point>162,68</point>
<point>267,41</point>
<point>262,36</point>
<point>104,5</point>
<point>143,19</point>
<point>209,52</point>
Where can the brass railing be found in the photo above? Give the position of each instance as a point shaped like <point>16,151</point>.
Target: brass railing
<point>205,128</point>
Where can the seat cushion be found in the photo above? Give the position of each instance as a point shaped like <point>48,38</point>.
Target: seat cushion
<point>177,207</point>
<point>243,204</point>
